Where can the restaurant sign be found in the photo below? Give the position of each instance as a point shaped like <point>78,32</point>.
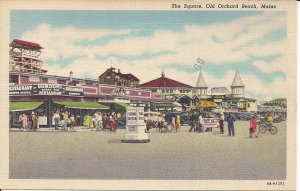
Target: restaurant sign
<point>45,89</point>
<point>20,90</point>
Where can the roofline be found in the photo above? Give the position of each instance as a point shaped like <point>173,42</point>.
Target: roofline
<point>166,86</point>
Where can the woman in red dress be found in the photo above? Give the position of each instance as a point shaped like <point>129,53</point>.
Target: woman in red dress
<point>253,127</point>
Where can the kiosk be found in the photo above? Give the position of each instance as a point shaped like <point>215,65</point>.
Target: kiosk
<point>135,126</point>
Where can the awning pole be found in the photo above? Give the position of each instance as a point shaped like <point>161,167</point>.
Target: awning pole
<point>49,117</point>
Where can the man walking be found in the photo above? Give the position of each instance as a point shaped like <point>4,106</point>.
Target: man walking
<point>221,122</point>
<point>56,120</point>
<point>230,121</point>
<point>99,127</point>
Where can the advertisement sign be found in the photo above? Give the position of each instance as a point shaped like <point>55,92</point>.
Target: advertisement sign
<point>20,90</point>
<point>48,89</point>
<point>45,89</point>
<point>219,91</point>
<point>73,91</point>
<point>119,92</point>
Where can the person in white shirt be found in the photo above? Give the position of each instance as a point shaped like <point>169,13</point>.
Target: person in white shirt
<point>201,123</point>
<point>56,119</point>
<point>100,121</point>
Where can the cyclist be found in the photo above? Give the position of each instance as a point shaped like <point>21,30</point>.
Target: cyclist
<point>269,119</point>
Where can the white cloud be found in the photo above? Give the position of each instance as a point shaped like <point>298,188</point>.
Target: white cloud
<point>279,65</point>
<point>188,45</point>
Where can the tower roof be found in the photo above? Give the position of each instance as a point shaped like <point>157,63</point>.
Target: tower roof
<point>237,81</point>
<point>26,44</point>
<point>201,82</point>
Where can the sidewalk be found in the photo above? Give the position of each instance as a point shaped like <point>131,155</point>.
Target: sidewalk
<point>52,129</point>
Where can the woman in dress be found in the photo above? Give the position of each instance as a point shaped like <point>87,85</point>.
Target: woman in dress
<point>253,127</point>
<point>24,122</point>
<point>87,121</point>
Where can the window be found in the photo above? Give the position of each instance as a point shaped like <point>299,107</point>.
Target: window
<point>163,91</point>
<point>248,104</point>
<point>167,91</point>
<point>171,91</point>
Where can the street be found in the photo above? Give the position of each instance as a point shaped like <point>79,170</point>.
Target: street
<point>182,155</point>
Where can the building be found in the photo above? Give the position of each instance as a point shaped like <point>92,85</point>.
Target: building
<point>110,76</point>
<point>231,101</point>
<point>200,89</point>
<point>32,89</point>
<point>171,89</point>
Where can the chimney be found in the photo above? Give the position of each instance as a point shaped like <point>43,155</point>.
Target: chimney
<point>71,76</point>
<point>119,71</point>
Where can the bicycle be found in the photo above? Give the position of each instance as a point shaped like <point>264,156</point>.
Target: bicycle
<point>268,127</point>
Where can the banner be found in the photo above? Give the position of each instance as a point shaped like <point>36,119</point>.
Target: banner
<point>20,90</point>
<point>45,89</point>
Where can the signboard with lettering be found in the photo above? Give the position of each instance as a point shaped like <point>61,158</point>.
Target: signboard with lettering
<point>135,116</point>
<point>219,91</point>
<point>31,54</point>
<point>73,91</point>
<point>20,90</point>
<point>135,126</point>
<point>45,89</point>
<point>119,91</point>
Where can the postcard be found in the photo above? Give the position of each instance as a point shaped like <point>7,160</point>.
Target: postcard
<point>148,95</point>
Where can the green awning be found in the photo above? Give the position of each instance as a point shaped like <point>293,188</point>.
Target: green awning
<point>121,106</point>
<point>20,106</point>
<point>165,105</point>
<point>82,105</point>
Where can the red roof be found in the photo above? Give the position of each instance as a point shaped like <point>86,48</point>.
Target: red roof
<point>26,43</point>
<point>164,82</point>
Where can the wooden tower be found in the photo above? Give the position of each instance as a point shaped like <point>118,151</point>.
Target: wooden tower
<point>25,57</point>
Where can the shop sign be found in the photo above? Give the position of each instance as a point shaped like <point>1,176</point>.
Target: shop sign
<point>73,91</point>
<point>119,92</point>
<point>219,91</point>
<point>20,90</point>
<point>217,100</point>
<point>45,89</point>
<point>48,89</point>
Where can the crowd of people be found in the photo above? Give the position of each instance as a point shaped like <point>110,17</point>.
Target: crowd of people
<point>98,121</point>
<point>197,123</point>
<point>107,121</point>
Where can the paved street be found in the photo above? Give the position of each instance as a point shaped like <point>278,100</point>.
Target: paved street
<point>182,155</point>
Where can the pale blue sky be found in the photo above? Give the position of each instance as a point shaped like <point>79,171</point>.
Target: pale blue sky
<point>144,24</point>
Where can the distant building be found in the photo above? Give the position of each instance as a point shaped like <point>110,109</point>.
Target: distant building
<point>237,87</point>
<point>201,88</point>
<point>172,89</point>
<point>168,86</point>
<point>110,76</point>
